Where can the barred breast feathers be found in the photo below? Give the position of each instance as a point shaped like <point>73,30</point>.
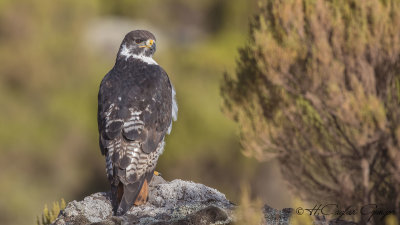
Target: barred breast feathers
<point>134,122</point>
<point>139,161</point>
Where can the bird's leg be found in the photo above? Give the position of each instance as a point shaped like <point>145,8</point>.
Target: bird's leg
<point>142,197</point>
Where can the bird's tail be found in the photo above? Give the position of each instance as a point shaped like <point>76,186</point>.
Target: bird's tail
<point>131,194</point>
<point>116,195</point>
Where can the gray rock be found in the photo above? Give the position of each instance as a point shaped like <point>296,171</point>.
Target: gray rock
<point>175,202</point>
<point>277,217</point>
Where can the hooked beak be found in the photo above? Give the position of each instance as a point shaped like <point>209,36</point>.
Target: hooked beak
<point>149,44</point>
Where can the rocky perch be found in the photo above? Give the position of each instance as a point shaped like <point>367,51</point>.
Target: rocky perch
<point>177,202</point>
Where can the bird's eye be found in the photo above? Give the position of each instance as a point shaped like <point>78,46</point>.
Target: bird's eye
<point>139,41</point>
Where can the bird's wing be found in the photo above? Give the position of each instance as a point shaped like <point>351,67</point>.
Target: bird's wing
<point>140,111</point>
<point>134,114</point>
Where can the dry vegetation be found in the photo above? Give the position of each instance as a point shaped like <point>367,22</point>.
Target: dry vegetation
<point>49,216</point>
<point>318,87</point>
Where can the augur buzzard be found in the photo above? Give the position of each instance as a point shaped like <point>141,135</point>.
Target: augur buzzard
<point>136,106</point>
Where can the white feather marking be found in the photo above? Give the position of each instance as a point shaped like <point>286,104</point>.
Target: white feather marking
<point>136,152</point>
<point>133,148</point>
<point>153,157</point>
<point>112,121</point>
<point>169,128</point>
<point>174,109</point>
<point>109,165</point>
<point>128,129</point>
<point>160,148</point>
<point>129,167</point>
<point>125,52</point>
<point>109,110</point>
<point>147,59</point>
<point>115,144</point>
<point>135,113</point>
<point>133,122</point>
<point>174,105</point>
<point>148,109</point>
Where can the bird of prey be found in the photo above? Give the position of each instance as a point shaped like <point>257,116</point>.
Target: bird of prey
<point>136,106</point>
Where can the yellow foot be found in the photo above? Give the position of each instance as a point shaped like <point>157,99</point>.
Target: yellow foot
<point>156,173</point>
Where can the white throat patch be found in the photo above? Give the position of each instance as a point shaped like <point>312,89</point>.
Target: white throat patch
<point>125,52</point>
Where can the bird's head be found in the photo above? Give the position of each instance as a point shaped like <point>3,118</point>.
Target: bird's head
<point>139,43</point>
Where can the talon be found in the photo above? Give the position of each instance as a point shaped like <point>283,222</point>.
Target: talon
<point>156,173</point>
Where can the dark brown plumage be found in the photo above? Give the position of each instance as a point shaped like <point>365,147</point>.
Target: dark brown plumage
<point>135,110</point>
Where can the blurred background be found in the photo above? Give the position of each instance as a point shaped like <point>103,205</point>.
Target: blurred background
<point>53,55</point>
